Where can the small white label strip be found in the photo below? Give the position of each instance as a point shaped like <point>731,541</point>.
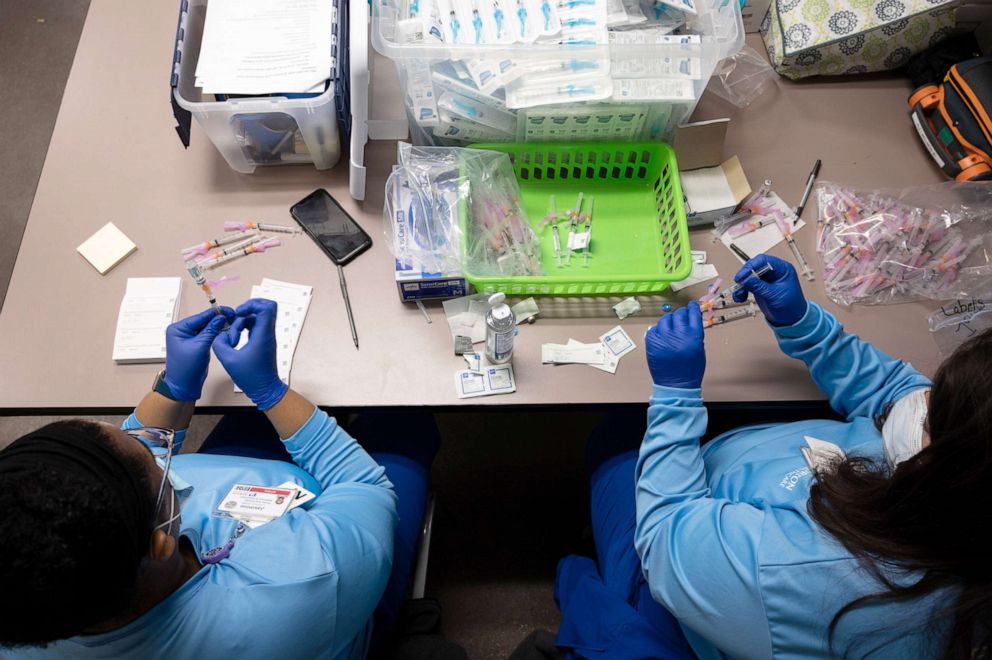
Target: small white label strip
<point>578,240</point>
<point>610,362</point>
<point>565,354</point>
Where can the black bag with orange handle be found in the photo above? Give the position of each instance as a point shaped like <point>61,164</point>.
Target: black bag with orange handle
<point>953,120</point>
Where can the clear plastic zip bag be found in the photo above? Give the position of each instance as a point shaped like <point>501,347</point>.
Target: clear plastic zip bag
<point>455,210</point>
<point>890,246</point>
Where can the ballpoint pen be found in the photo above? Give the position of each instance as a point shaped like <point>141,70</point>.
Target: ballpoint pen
<point>347,304</point>
<point>739,252</point>
<point>809,188</point>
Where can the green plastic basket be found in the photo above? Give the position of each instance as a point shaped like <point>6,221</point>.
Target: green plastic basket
<point>640,241</point>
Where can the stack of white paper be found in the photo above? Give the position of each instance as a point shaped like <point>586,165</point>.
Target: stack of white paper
<point>604,356</point>
<point>266,46</point>
<point>150,304</point>
<point>572,353</point>
<point>294,303</point>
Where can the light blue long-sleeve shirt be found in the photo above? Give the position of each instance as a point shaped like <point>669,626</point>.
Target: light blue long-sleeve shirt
<point>302,586</point>
<point>725,539</point>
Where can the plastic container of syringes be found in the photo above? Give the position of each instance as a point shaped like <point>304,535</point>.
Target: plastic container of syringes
<point>425,73</point>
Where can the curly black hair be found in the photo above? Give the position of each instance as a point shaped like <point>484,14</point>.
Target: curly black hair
<point>65,564</point>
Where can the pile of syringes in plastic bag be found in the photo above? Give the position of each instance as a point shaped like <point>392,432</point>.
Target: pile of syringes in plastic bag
<point>927,242</point>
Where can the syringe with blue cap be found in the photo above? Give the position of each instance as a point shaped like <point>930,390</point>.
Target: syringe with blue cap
<point>476,24</point>
<point>498,18</point>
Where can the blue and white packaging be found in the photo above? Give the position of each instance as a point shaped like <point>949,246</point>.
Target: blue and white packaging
<point>414,279</point>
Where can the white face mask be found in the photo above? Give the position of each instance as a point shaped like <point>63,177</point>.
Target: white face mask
<point>902,433</point>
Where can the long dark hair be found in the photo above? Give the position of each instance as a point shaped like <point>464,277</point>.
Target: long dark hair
<point>930,515</point>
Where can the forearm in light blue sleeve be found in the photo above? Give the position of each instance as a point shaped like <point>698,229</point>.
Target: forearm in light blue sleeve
<point>353,518</point>
<point>859,379</point>
<point>132,422</point>
<point>698,553</point>
<point>331,456</point>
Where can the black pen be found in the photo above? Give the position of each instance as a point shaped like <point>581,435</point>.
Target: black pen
<point>347,304</point>
<point>739,252</point>
<point>809,189</point>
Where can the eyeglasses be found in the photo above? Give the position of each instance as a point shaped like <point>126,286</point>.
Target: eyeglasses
<point>159,443</point>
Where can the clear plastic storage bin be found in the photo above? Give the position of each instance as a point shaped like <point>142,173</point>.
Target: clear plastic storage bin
<point>650,87</point>
<point>252,132</point>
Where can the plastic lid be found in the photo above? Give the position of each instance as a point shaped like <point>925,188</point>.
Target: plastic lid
<point>500,309</point>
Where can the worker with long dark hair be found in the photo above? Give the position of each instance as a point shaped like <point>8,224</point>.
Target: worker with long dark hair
<point>856,538</point>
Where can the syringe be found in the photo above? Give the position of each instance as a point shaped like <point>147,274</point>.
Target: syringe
<point>721,225</point>
<point>574,215</point>
<point>261,226</point>
<point>231,249</point>
<point>210,264</point>
<point>747,311</point>
<point>552,217</point>
<point>206,246</point>
<point>783,225</point>
<point>758,194</point>
<point>196,273</point>
<point>588,216</point>
<point>748,226</point>
<point>723,298</point>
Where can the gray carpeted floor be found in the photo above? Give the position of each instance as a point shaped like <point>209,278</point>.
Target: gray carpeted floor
<point>511,494</point>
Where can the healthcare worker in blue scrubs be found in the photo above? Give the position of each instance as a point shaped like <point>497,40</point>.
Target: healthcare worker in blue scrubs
<point>111,547</point>
<point>861,538</point>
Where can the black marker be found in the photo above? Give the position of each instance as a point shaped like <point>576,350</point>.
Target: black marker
<point>739,252</point>
<point>809,189</point>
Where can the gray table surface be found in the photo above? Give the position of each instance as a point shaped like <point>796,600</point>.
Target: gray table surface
<point>114,156</point>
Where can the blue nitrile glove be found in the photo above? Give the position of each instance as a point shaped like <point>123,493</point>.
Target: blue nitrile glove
<point>253,366</point>
<point>676,356</point>
<point>777,292</point>
<point>187,351</point>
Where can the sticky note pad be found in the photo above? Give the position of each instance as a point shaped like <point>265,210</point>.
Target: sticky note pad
<point>106,248</point>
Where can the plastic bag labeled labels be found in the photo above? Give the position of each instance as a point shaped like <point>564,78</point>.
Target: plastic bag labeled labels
<point>957,322</point>
<point>889,246</point>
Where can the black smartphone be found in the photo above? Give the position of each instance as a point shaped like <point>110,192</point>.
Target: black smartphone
<point>336,232</point>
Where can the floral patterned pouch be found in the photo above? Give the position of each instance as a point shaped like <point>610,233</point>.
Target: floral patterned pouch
<point>836,37</point>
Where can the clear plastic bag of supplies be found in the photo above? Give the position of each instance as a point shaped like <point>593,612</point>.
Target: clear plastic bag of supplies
<point>742,77</point>
<point>458,210</point>
<point>890,246</point>
<point>954,323</point>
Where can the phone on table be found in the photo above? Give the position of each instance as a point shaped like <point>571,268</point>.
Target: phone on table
<point>330,226</point>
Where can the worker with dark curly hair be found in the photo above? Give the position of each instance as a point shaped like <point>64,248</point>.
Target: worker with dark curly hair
<point>113,546</point>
